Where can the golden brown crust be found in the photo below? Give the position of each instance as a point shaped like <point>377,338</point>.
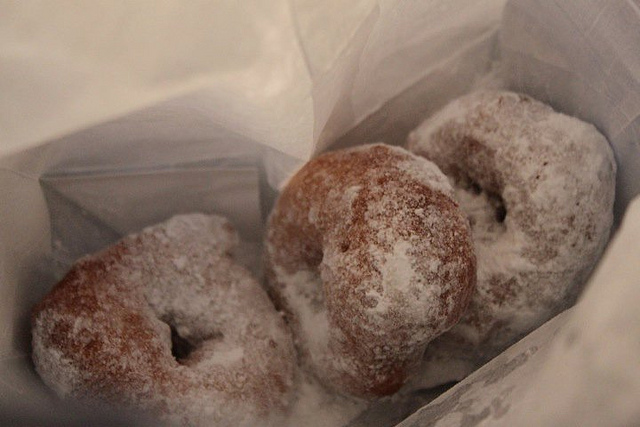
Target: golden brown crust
<point>369,242</point>
<point>538,188</point>
<point>105,331</point>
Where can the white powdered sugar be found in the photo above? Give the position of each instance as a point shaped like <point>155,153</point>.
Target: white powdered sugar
<point>180,262</point>
<point>56,370</point>
<point>305,294</point>
<point>398,271</point>
<point>355,255</point>
<point>537,187</point>
<point>481,214</point>
<point>221,356</point>
<point>315,406</point>
<point>402,284</point>
<point>109,328</point>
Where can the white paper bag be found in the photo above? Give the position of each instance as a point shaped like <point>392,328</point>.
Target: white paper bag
<point>109,108</point>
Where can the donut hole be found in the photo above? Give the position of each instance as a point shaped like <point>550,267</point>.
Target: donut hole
<point>474,188</point>
<point>485,210</point>
<point>181,348</point>
<point>494,199</point>
<point>498,205</point>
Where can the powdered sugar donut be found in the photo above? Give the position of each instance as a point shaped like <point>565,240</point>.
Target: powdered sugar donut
<point>106,331</point>
<point>538,187</point>
<point>371,259</point>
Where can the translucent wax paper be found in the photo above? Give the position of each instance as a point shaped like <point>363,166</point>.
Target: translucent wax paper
<point>114,116</point>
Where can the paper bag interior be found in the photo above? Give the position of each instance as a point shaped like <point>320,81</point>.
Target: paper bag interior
<point>101,139</point>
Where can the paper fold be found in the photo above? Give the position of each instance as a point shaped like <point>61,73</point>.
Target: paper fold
<point>212,105</point>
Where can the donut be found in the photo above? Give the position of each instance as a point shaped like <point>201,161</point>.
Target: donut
<point>538,189</point>
<point>370,258</point>
<point>166,322</point>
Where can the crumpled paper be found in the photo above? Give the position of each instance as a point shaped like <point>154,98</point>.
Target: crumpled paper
<point>114,116</point>
<point>289,75</point>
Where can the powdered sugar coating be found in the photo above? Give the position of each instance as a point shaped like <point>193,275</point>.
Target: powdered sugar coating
<point>104,331</point>
<point>371,259</point>
<point>538,187</point>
